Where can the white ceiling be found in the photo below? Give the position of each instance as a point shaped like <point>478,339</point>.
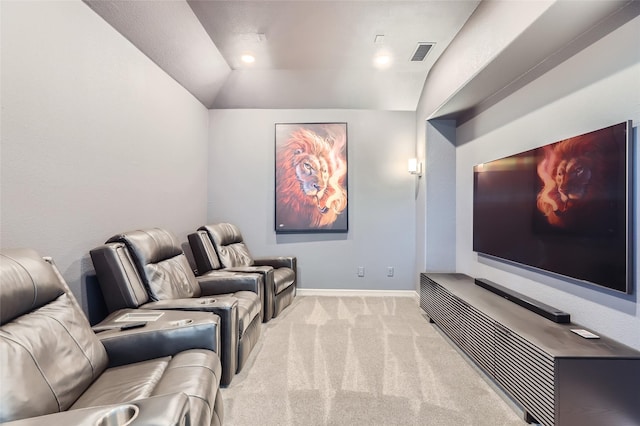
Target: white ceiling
<point>314,54</point>
<point>319,54</point>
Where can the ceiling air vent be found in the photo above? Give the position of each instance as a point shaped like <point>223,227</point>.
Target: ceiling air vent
<point>421,52</point>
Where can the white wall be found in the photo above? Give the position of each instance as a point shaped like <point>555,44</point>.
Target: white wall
<point>598,87</point>
<point>381,195</point>
<point>96,139</point>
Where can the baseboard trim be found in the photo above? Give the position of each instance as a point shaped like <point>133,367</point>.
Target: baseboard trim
<point>356,293</point>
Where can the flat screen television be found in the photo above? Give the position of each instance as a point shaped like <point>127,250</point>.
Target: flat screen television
<point>564,208</point>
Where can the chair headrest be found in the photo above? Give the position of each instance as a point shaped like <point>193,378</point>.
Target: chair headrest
<point>149,245</point>
<point>227,239</point>
<point>223,234</point>
<point>27,282</point>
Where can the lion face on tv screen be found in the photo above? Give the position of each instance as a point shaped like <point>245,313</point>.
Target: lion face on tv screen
<point>310,180</point>
<point>576,174</point>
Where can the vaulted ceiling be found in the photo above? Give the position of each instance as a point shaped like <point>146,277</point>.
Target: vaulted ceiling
<point>320,54</point>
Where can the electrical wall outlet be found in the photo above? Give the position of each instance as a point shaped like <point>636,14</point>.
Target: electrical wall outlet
<point>390,271</point>
<point>361,271</point>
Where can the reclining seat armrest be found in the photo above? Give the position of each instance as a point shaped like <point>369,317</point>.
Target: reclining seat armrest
<point>280,262</point>
<point>277,262</point>
<point>118,277</point>
<point>204,253</point>
<point>216,282</point>
<point>220,282</point>
<point>164,410</point>
<point>160,339</point>
<point>225,307</point>
<point>269,288</point>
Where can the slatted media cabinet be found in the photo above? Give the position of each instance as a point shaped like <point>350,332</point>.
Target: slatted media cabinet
<point>558,377</point>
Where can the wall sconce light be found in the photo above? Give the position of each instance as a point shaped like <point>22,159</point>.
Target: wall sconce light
<point>415,167</point>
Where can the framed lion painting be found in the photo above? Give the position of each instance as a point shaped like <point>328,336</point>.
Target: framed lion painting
<point>311,178</point>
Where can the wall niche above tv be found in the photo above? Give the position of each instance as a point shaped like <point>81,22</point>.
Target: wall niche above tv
<point>564,208</point>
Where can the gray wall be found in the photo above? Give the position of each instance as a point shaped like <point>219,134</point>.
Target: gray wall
<point>440,189</point>
<point>596,88</point>
<point>381,195</point>
<point>489,30</point>
<point>96,139</point>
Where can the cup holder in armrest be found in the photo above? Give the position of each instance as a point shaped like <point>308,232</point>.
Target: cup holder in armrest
<point>119,416</point>
<point>180,323</point>
<point>207,301</point>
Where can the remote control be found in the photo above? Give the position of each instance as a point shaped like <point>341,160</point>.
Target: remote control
<point>584,333</point>
<point>101,328</point>
<point>133,325</point>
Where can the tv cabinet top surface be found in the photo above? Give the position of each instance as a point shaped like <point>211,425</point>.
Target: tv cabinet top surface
<point>556,339</point>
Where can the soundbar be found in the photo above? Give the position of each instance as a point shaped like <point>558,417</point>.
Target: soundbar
<point>549,312</point>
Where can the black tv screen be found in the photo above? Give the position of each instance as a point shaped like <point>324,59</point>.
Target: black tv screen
<point>564,208</point>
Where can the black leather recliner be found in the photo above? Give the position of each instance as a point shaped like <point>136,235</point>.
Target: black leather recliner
<point>54,370</point>
<point>220,247</point>
<point>147,269</point>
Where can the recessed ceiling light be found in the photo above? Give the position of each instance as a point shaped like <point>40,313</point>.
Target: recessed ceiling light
<point>248,59</point>
<point>382,60</point>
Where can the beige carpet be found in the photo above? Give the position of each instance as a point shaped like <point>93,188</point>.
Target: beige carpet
<point>359,361</point>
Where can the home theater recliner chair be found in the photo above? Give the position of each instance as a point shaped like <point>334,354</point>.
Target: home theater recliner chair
<point>220,247</point>
<point>54,370</point>
<point>147,269</point>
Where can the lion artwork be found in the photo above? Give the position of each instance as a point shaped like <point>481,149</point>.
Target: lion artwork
<point>575,176</point>
<point>310,179</point>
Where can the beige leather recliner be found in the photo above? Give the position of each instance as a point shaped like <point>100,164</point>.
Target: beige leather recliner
<point>147,269</point>
<point>220,247</point>
<point>54,370</point>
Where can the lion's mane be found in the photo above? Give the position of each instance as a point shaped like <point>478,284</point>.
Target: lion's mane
<point>310,179</point>
<point>574,173</point>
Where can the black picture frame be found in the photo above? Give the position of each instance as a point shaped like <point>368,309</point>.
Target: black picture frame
<point>311,178</point>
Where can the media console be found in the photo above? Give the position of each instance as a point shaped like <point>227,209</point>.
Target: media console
<point>558,377</point>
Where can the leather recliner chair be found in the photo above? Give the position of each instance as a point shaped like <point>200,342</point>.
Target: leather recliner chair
<point>147,269</point>
<point>54,370</point>
<point>220,247</point>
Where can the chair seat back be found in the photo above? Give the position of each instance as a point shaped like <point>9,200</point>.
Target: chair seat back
<point>48,353</point>
<point>160,263</point>
<point>229,245</point>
